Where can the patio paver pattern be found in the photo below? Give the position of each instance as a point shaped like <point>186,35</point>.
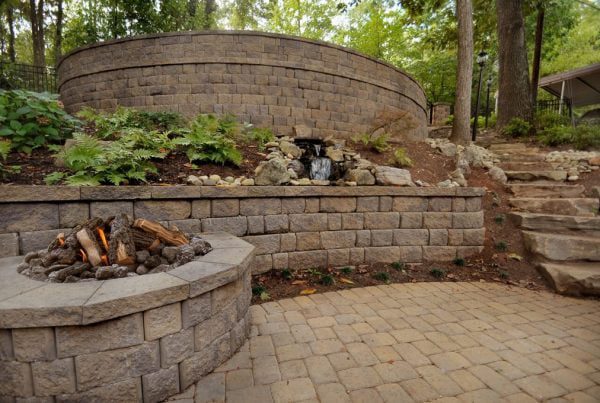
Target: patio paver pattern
<point>446,342</point>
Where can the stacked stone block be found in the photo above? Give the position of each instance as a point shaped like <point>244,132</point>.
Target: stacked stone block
<point>269,80</point>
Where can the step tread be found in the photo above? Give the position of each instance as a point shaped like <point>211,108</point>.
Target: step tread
<point>580,206</point>
<point>537,221</point>
<point>562,247</point>
<point>584,238</point>
<point>573,278</point>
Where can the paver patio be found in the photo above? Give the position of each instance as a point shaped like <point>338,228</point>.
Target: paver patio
<point>447,342</point>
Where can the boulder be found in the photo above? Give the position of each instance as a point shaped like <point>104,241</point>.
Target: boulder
<point>573,279</point>
<point>360,176</point>
<point>594,161</point>
<point>385,175</point>
<point>290,148</point>
<point>301,131</point>
<point>447,149</point>
<point>297,167</point>
<point>194,180</point>
<point>562,247</point>
<point>498,174</point>
<point>335,154</point>
<point>272,172</point>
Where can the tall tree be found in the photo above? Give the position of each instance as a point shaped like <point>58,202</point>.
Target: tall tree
<point>58,33</point>
<point>10,19</point>
<point>36,19</point>
<point>210,9</point>
<point>514,94</point>
<point>537,53</point>
<point>464,73</point>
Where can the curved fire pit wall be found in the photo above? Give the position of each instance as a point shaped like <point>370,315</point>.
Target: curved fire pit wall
<point>133,339</point>
<point>270,80</point>
<point>291,226</point>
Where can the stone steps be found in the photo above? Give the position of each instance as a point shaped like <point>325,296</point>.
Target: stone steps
<point>519,157</point>
<point>561,247</point>
<point>588,226</point>
<point>512,146</point>
<point>541,189</point>
<point>531,175</point>
<point>572,278</point>
<point>583,207</point>
<point>525,166</point>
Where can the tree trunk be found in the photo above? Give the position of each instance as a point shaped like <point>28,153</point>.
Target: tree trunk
<point>36,17</point>
<point>514,94</point>
<point>210,7</point>
<point>58,36</point>
<point>464,73</point>
<point>537,54</point>
<point>11,34</point>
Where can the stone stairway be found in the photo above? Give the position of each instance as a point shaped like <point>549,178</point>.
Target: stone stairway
<point>561,227</point>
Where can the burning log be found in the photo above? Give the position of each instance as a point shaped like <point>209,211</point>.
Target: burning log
<point>70,241</point>
<point>172,237</point>
<point>122,247</point>
<point>88,242</point>
<point>142,239</point>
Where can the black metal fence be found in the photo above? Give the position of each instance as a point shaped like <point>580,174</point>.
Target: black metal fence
<point>554,106</point>
<point>27,77</point>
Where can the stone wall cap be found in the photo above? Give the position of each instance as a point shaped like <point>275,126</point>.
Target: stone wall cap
<point>25,302</point>
<point>25,193</point>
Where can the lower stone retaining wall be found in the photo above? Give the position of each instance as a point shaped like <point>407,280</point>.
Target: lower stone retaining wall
<point>292,227</point>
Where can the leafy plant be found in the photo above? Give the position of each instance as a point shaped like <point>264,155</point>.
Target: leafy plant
<point>258,289</point>
<point>581,137</point>
<point>31,120</point>
<point>437,272</point>
<point>346,270</point>
<point>504,275</point>
<point>459,261</point>
<point>4,150</point>
<point>377,143</point>
<point>401,159</point>
<point>517,127</point>
<point>382,276</point>
<point>499,219</point>
<point>398,266</point>
<point>545,120</point>
<point>260,136</point>
<point>327,279</point>
<point>287,274</point>
<point>502,246</point>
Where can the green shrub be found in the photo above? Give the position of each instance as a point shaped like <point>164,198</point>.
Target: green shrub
<point>376,143</point>
<point>327,279</point>
<point>502,246</point>
<point>382,276</point>
<point>459,261</point>
<point>499,219</point>
<point>580,137</point>
<point>287,274</point>
<point>401,159</point>
<point>4,150</point>
<point>110,125</point>
<point>545,120</point>
<point>31,120</point>
<point>450,120</point>
<point>437,272</point>
<point>260,136</point>
<point>346,270</point>
<point>398,266</point>
<point>517,127</point>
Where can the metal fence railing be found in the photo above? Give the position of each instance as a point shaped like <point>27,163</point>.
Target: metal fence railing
<point>27,77</point>
<point>554,106</point>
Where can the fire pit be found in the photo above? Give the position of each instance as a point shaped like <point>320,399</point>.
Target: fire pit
<point>114,248</point>
<point>136,338</point>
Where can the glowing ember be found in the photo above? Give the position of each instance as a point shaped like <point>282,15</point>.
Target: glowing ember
<point>83,255</point>
<point>104,259</point>
<point>103,238</point>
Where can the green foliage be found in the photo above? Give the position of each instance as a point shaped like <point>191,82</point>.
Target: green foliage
<point>501,246</point>
<point>581,137</point>
<point>287,274</point>
<point>504,275</point>
<point>376,143</point>
<point>398,266</point>
<point>546,120</point>
<point>258,289</point>
<point>459,261</point>
<point>346,270</point>
<point>401,159</point>
<point>260,136</point>
<point>382,276</point>
<point>211,139</point>
<point>499,219</point>
<point>517,127</point>
<point>4,150</point>
<point>31,120</point>
<point>437,272</point>
<point>327,279</point>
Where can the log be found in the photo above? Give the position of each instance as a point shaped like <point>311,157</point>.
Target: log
<point>172,237</point>
<point>121,249</point>
<point>142,239</point>
<point>70,240</point>
<point>88,242</point>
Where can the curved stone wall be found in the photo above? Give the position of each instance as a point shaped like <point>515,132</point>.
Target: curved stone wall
<point>269,80</point>
<point>134,339</point>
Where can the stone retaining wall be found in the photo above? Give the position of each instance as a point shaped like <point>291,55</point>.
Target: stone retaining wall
<point>270,80</point>
<point>292,227</point>
<point>135,339</point>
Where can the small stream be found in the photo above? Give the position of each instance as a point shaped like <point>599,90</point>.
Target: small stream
<point>318,166</point>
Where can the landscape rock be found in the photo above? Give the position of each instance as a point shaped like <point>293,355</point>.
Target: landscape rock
<point>360,176</point>
<point>272,172</point>
<point>170,253</point>
<point>290,148</point>
<point>498,175</point>
<point>302,132</point>
<point>573,279</point>
<point>194,180</point>
<point>385,175</point>
<point>448,149</point>
<point>247,182</point>
<point>335,154</point>
<point>297,167</point>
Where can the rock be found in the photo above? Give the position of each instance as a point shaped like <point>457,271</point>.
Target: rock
<point>272,172</point>
<point>214,177</point>
<point>141,256</point>
<point>596,192</point>
<point>445,184</point>
<point>335,154</point>
<point>152,261</point>
<point>293,174</point>
<point>594,161</point>
<point>290,148</point>
<point>302,131</point>
<point>463,165</point>
<point>385,175</point>
<point>271,144</point>
<point>562,247</point>
<point>185,254</point>
<point>360,176</point>
<point>319,182</point>
<point>114,271</point>
<point>498,175</point>
<point>201,247</point>
<point>194,180</point>
<point>31,255</point>
<point>22,266</point>
<point>142,269</point>
<point>573,279</point>
<point>448,149</point>
<point>364,164</point>
<point>303,182</point>
<point>247,182</point>
<point>161,268</point>
<point>170,253</point>
<point>350,183</point>
<point>209,182</point>
<point>573,178</point>
<point>297,167</point>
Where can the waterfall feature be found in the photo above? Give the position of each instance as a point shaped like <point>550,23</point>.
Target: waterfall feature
<point>320,168</point>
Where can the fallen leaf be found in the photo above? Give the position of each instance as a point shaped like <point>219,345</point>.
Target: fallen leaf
<point>346,280</point>
<point>515,256</point>
<point>299,282</point>
<point>308,291</point>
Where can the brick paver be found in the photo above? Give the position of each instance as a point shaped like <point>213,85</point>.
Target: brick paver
<point>446,342</point>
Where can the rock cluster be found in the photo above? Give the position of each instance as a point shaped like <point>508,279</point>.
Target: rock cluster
<point>574,162</point>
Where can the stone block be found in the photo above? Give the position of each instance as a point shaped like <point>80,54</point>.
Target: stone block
<point>256,225</point>
<point>195,310</point>
<point>226,208</point>
<point>388,220</point>
<point>411,237</point>
<point>98,369</point>
<point>280,261</point>
<point>295,205</point>
<point>72,214</point>
<point>437,220</point>
<point>468,251</point>
<point>159,322</point>
<point>473,204</point>
<point>109,209</point>
<point>367,204</point>
<point>455,237</point>
<point>363,238</point>
<point>28,217</point>
<point>107,335</point>
<point>440,204</point>
<point>439,253</point>
<point>222,347</point>
<point>209,330</point>
<point>338,204</point>
<point>161,384</point>
<point>311,205</point>
<point>468,220</point>
<point>275,224</point>
<point>54,377</point>
<point>410,254</point>
<point>162,210</point>
<point>353,221</point>
<point>473,237</point>
<point>129,390</point>
<point>384,254</point>
<point>237,226</point>
<point>411,220</point>
<point>190,226</point>
<point>265,244</point>
<point>223,296</point>
<point>357,256</point>
<point>311,259</point>
<point>192,369</point>
<point>34,344</point>
<point>15,379</point>
<point>403,204</point>
<point>201,208</point>
<point>36,240</point>
<point>261,264</point>
<point>459,204</point>
<point>9,245</point>
<point>386,203</point>
<point>382,237</point>
<point>6,348</point>
<point>262,206</point>
<point>308,222</point>
<point>334,222</point>
<point>338,239</point>
<point>308,240</point>
<point>338,257</point>
<point>438,237</point>
<point>288,242</point>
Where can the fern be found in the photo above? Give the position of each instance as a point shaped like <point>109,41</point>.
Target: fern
<point>211,140</point>
<point>377,143</point>
<point>401,159</point>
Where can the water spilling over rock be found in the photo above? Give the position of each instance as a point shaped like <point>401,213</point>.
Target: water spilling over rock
<point>320,168</point>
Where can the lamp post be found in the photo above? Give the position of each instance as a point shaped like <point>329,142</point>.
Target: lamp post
<point>481,59</point>
<point>487,102</point>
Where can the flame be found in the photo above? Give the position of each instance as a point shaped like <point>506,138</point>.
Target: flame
<point>83,255</point>
<point>104,260</point>
<point>103,238</point>
<point>61,241</point>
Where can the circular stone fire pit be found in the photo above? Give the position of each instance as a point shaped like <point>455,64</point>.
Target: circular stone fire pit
<point>139,338</point>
